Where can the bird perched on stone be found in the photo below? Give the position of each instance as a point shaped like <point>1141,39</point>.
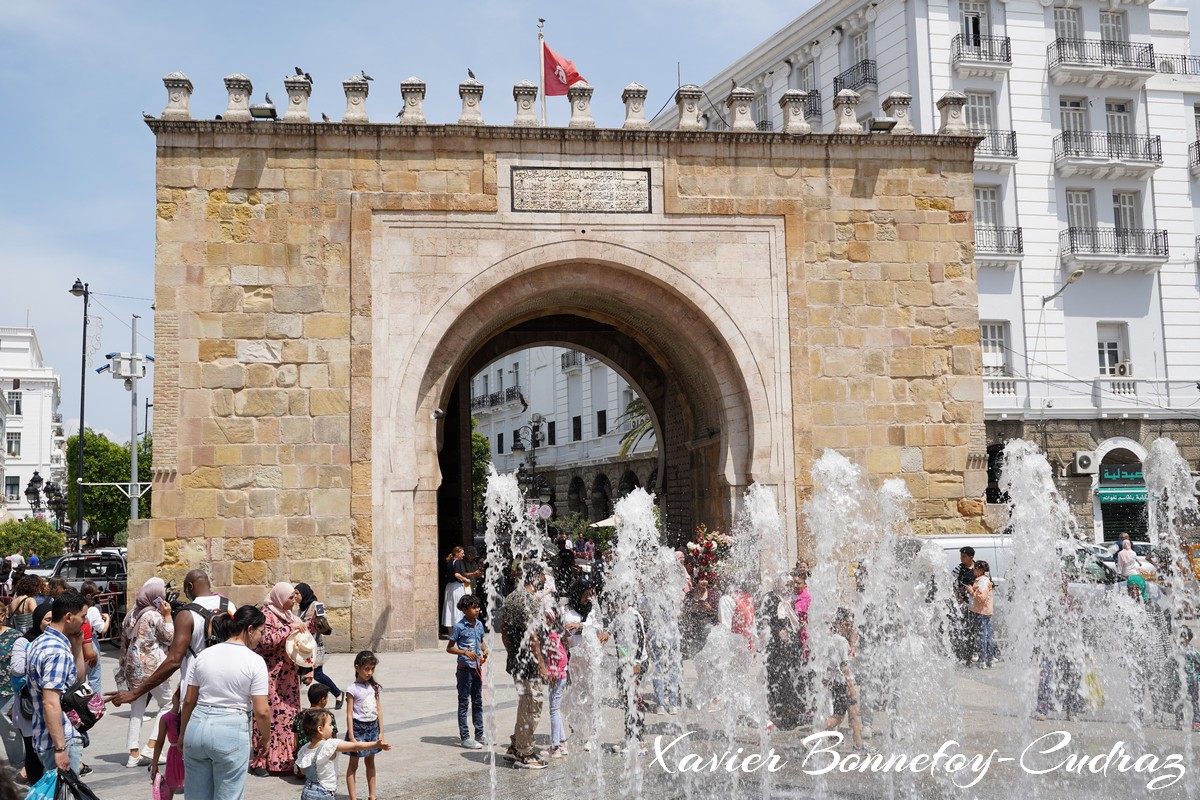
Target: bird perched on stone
<point>147,116</point>
<point>365,76</point>
<point>218,117</point>
<point>299,72</point>
<point>269,99</point>
<point>470,74</point>
<point>732,84</point>
<point>401,114</point>
<point>308,78</point>
<point>324,117</point>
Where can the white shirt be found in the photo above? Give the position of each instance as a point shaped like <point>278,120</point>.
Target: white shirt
<point>196,645</point>
<point>96,621</point>
<point>323,757</point>
<point>16,559</point>
<point>228,675</point>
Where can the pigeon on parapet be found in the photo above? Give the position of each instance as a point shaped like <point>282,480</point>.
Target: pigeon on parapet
<point>470,74</point>
<point>299,72</point>
<point>146,116</point>
<point>324,117</point>
<point>269,99</point>
<point>365,76</point>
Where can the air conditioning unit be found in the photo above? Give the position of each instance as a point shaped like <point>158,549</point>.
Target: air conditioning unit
<point>1084,462</point>
<point>1125,369</point>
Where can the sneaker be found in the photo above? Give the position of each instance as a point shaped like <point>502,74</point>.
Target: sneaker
<point>471,744</point>
<point>529,762</point>
<point>340,702</point>
<point>587,746</point>
<point>510,754</point>
<point>85,770</point>
<point>558,751</point>
<point>483,740</point>
<point>137,761</point>
<point>673,710</point>
<point>260,772</point>
<point>620,749</point>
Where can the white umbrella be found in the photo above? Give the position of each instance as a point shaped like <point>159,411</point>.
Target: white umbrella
<point>611,522</point>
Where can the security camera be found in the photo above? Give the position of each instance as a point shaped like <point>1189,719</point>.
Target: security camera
<point>438,413</point>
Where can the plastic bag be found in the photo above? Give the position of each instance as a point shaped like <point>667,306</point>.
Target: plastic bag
<point>45,788</point>
<point>70,787</point>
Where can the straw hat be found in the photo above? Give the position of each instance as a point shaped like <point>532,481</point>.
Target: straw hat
<point>301,648</point>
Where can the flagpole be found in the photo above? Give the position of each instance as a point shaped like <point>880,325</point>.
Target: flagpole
<point>542,68</point>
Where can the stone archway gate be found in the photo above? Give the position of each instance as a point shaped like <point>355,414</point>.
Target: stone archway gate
<point>319,287</point>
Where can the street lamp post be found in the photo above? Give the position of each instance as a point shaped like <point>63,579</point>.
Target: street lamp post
<point>531,483</point>
<point>33,493</point>
<point>80,289</point>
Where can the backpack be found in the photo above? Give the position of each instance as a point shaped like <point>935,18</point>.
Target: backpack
<point>206,618</point>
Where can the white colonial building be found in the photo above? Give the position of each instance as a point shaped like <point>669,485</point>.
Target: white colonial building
<point>577,403</point>
<point>33,429</point>
<point>1087,205</point>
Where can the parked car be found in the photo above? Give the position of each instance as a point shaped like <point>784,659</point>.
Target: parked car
<point>109,572</point>
<point>44,569</point>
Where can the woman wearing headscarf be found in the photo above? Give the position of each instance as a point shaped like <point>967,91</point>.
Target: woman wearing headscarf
<point>784,660</point>
<point>146,635</point>
<point>284,696</point>
<point>308,613</point>
<point>1127,561</point>
<point>38,622</point>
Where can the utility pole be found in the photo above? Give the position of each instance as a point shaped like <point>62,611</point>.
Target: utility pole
<point>134,494</point>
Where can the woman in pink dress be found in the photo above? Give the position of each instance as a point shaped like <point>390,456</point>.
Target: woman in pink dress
<point>284,694</point>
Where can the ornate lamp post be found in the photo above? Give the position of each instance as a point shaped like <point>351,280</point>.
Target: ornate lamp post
<point>532,484</point>
<point>33,493</point>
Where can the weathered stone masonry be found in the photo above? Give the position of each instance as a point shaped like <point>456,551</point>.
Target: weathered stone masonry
<point>307,281</point>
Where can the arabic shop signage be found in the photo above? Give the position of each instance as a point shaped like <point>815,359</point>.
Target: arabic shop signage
<point>1121,474</point>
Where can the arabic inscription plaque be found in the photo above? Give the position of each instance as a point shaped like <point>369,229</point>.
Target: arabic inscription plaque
<point>581,190</point>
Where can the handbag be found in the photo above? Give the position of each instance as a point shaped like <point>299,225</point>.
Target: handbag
<point>70,787</point>
<point>83,707</point>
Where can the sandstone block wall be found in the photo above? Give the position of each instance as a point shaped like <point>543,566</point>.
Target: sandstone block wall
<point>280,451</point>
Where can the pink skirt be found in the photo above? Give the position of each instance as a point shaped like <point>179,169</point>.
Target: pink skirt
<point>174,774</point>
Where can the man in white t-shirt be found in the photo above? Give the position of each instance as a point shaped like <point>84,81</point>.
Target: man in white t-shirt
<point>16,559</point>
<point>187,643</point>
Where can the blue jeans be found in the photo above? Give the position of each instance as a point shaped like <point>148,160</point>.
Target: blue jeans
<point>557,734</point>
<point>216,754</point>
<point>320,676</point>
<point>74,753</point>
<point>94,677</point>
<point>987,643</point>
<point>470,691</point>
<point>315,791</point>
<point>666,689</point>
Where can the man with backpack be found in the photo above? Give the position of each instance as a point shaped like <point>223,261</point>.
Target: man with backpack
<point>193,632</point>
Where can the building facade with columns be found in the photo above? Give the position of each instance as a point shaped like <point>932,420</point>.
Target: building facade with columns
<point>1087,177</point>
<point>34,438</point>
<point>577,403</point>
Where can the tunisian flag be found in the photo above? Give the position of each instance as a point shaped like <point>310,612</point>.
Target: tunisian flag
<point>560,72</point>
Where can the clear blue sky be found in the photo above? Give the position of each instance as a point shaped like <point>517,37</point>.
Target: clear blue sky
<point>76,75</point>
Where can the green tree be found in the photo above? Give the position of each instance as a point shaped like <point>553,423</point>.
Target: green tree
<point>481,456</point>
<point>106,508</point>
<point>32,534</point>
<point>641,425</point>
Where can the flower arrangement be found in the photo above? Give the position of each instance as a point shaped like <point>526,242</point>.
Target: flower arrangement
<point>705,552</point>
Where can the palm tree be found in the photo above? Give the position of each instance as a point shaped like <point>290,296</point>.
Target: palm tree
<point>640,426</point>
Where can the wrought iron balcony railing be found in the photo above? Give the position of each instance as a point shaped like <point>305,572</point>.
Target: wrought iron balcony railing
<point>765,125</point>
<point>1101,144</point>
<point>1008,241</point>
<point>1194,154</point>
<point>1101,53</point>
<point>996,49</point>
<point>860,75</point>
<point>1114,241</point>
<point>812,105</point>
<point>570,359</point>
<point>997,144</point>
<point>1178,65</point>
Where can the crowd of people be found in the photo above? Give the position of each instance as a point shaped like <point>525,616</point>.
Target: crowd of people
<point>219,676</point>
<point>555,630</point>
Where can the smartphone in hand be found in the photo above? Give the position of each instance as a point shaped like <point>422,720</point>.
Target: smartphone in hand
<point>319,608</point>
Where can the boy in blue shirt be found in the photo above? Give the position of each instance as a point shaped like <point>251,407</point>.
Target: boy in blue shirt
<point>466,642</point>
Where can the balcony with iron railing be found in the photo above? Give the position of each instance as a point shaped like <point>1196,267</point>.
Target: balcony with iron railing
<point>861,78</point>
<point>998,247</point>
<point>1178,65</point>
<point>484,401</point>
<point>981,56</point>
<point>1099,154</point>
<point>1100,63</point>
<point>812,105</point>
<point>1113,249</point>
<point>570,360</point>
<point>997,152</point>
<point>1194,158</point>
